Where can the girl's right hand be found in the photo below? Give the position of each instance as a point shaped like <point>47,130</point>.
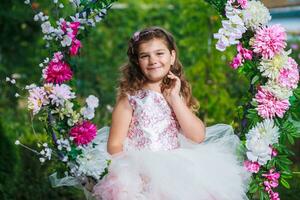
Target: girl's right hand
<point>173,92</point>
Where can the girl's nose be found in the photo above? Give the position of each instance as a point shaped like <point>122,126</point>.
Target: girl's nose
<point>152,60</point>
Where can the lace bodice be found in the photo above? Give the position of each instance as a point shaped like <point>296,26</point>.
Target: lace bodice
<point>153,125</point>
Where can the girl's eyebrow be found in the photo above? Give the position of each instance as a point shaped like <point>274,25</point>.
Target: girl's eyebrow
<point>153,51</point>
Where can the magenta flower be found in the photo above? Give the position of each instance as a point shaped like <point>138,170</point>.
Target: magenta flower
<point>252,167</point>
<point>83,133</point>
<point>76,45</point>
<point>246,53</point>
<point>74,26</point>
<point>237,61</point>
<point>58,72</point>
<point>272,182</point>
<point>272,175</point>
<point>274,152</point>
<point>269,41</point>
<point>289,77</point>
<point>243,54</point>
<point>269,106</point>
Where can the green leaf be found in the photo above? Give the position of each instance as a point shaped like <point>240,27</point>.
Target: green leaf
<point>291,139</point>
<point>285,183</point>
<point>254,187</point>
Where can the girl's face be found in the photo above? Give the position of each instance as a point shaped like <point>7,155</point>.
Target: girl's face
<point>155,59</point>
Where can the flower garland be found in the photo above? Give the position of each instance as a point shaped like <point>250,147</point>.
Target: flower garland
<point>260,56</point>
<point>73,137</point>
<point>274,84</point>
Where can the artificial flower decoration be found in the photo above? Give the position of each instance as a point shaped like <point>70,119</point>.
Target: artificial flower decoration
<point>269,41</point>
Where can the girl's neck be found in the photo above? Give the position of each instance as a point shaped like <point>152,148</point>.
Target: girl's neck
<point>153,86</point>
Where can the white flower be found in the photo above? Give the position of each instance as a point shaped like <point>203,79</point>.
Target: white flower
<point>271,67</point>
<point>87,112</point>
<point>17,95</point>
<point>17,142</point>
<point>61,93</point>
<point>27,1</point>
<point>42,160</point>
<point>92,101</point>
<point>92,162</point>
<point>46,27</point>
<point>55,1</point>
<point>37,98</point>
<point>259,139</point>
<point>256,15</point>
<point>278,91</point>
<point>65,159</point>
<point>109,108</point>
<point>67,41</point>
<point>28,87</point>
<point>61,5</point>
<point>13,81</point>
<point>63,143</point>
<point>232,29</point>
<point>7,79</point>
<point>75,2</point>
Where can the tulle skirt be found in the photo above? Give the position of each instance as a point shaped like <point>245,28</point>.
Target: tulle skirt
<point>207,171</point>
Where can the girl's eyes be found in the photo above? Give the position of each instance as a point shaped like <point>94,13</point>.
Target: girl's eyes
<point>147,56</point>
<point>144,56</point>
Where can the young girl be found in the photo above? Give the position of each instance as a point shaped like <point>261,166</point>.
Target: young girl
<point>160,149</point>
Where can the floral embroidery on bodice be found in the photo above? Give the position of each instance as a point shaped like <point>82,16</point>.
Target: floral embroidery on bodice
<point>153,125</point>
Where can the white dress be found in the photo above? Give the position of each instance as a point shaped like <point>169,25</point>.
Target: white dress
<point>159,163</point>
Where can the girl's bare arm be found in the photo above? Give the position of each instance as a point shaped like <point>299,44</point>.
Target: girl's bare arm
<point>121,118</point>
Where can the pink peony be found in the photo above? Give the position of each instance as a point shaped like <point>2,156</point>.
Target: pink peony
<point>76,44</point>
<point>269,41</point>
<point>252,166</point>
<point>58,72</point>
<point>83,133</point>
<point>269,106</point>
<point>289,77</point>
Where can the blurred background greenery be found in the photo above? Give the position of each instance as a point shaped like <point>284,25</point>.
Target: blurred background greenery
<point>219,89</point>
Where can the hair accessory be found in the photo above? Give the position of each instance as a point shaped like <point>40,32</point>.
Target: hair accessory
<point>136,36</point>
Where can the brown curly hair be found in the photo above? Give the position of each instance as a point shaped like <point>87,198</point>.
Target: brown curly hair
<point>133,79</point>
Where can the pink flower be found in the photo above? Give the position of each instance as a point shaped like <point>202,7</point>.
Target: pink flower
<point>76,44</point>
<point>243,3</point>
<point>74,26</point>
<point>252,166</point>
<point>237,61</point>
<point>247,54</point>
<point>274,152</point>
<point>272,182</point>
<point>289,77</point>
<point>269,106</point>
<point>83,133</point>
<point>272,175</point>
<point>269,41</point>
<point>242,54</point>
<point>58,72</point>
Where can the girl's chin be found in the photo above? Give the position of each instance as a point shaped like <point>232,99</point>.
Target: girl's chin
<point>155,79</point>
